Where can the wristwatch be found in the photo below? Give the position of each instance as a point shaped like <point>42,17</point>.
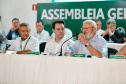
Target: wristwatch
<point>86,44</point>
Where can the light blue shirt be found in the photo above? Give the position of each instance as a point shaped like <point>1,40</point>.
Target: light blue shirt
<point>96,42</point>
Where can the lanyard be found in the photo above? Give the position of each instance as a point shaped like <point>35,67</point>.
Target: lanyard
<point>25,44</point>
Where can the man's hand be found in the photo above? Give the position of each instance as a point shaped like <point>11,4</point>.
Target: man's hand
<point>13,28</point>
<point>108,31</point>
<point>82,39</point>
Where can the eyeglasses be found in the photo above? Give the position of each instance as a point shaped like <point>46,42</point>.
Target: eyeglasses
<point>85,28</point>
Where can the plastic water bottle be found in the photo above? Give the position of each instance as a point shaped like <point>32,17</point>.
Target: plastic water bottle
<point>37,36</point>
<point>68,50</point>
<point>104,51</point>
<point>68,36</point>
<point>13,35</point>
<point>3,47</point>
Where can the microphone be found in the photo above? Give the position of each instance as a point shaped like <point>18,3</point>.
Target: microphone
<point>65,42</point>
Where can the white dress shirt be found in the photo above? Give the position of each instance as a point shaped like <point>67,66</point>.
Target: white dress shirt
<point>53,47</point>
<point>99,32</point>
<point>18,44</point>
<point>43,36</point>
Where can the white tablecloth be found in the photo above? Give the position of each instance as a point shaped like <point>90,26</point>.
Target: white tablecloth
<point>33,69</point>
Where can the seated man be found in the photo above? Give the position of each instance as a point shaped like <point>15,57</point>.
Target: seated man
<point>41,34</point>
<point>89,43</point>
<point>14,29</point>
<point>3,38</point>
<point>122,51</point>
<point>54,44</point>
<point>111,34</point>
<point>26,42</point>
<point>68,33</point>
<point>99,25</point>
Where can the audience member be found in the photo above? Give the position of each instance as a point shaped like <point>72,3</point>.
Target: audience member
<point>14,29</point>
<point>111,34</point>
<point>99,25</point>
<point>41,34</point>
<point>89,43</point>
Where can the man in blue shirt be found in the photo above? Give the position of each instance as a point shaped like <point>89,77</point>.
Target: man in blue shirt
<point>15,28</point>
<point>89,43</point>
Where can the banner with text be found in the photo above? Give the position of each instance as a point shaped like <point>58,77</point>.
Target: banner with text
<point>75,13</point>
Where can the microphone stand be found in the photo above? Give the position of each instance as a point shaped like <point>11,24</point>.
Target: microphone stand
<point>65,42</point>
<point>62,45</point>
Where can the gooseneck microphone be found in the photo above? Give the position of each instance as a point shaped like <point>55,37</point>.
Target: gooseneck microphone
<point>65,42</point>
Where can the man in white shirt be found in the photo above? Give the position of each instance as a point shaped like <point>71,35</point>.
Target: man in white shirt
<point>41,34</point>
<point>99,25</point>
<point>54,44</point>
<point>26,42</point>
<point>68,33</point>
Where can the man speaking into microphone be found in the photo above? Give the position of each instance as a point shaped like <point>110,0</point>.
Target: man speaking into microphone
<point>53,46</point>
<point>89,43</point>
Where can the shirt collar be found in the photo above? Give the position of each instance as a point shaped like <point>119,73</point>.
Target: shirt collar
<point>42,31</point>
<point>63,39</point>
<point>94,38</point>
<point>25,39</point>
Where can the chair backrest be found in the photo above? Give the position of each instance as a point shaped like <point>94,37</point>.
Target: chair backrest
<point>121,29</point>
<point>111,51</point>
<point>42,46</point>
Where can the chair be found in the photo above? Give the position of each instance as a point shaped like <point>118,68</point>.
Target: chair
<point>42,46</point>
<point>111,51</point>
<point>121,29</point>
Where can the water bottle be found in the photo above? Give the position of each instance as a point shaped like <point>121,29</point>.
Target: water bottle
<point>68,36</point>
<point>3,47</point>
<point>13,35</point>
<point>104,51</point>
<point>37,36</point>
<point>68,50</point>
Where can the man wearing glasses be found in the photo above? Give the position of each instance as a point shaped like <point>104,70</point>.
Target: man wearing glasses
<point>111,34</point>
<point>89,43</point>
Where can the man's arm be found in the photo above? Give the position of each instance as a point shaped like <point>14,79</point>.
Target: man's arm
<point>23,52</point>
<point>93,51</point>
<point>122,51</point>
<point>117,40</point>
<point>9,35</point>
<point>19,52</point>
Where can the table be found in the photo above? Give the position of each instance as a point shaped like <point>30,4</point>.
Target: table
<point>116,46</point>
<point>33,69</point>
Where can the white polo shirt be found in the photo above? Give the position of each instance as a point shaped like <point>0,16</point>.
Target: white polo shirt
<point>43,36</point>
<point>53,47</point>
<point>18,44</point>
<point>100,32</point>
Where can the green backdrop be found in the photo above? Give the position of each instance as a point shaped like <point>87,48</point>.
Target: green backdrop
<point>74,13</point>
